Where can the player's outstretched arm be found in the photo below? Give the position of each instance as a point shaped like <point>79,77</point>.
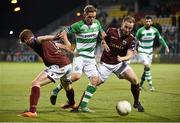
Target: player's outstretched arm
<point>64,47</point>
<point>41,39</point>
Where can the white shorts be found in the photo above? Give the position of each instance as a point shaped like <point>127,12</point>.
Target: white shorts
<point>146,59</point>
<point>86,65</point>
<point>55,73</point>
<point>105,70</point>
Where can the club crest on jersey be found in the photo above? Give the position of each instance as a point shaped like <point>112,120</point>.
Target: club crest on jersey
<point>84,28</point>
<point>124,42</point>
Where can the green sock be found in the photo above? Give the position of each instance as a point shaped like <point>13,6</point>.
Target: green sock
<point>149,77</point>
<point>150,82</point>
<point>90,90</point>
<point>56,90</point>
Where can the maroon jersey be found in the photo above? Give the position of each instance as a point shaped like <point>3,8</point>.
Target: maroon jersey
<point>118,44</point>
<point>49,53</point>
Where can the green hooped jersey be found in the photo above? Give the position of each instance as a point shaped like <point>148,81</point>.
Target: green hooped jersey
<point>146,38</point>
<point>86,37</point>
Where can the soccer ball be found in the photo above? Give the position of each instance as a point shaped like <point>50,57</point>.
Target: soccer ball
<point>123,107</point>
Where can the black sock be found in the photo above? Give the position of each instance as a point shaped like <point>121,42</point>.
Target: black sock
<point>70,96</point>
<point>135,91</point>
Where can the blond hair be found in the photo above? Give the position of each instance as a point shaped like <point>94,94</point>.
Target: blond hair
<point>89,8</point>
<point>129,19</point>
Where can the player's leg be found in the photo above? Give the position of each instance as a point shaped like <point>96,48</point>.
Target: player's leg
<point>148,77</point>
<point>70,96</point>
<point>77,72</point>
<point>41,80</point>
<point>54,93</point>
<point>148,73</point>
<point>144,59</point>
<point>74,76</point>
<point>91,71</point>
<point>142,78</point>
<point>90,90</point>
<point>126,72</point>
<point>66,84</point>
<point>57,89</point>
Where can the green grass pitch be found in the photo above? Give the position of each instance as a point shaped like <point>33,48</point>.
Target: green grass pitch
<point>163,105</point>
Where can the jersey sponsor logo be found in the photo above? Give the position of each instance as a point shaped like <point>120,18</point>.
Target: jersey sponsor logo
<point>148,38</point>
<point>149,34</point>
<point>116,46</point>
<point>88,35</point>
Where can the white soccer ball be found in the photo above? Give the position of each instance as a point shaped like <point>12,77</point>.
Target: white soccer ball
<point>123,107</point>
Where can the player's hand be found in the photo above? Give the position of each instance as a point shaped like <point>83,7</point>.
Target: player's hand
<point>119,58</point>
<point>105,46</point>
<point>167,51</point>
<point>61,36</point>
<point>76,54</point>
<point>56,37</point>
<point>135,52</point>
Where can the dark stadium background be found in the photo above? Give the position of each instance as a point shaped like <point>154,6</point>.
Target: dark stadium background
<point>34,14</point>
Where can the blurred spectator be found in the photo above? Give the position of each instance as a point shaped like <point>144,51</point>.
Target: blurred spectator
<point>114,23</point>
<point>8,57</point>
<point>103,18</point>
<point>158,26</point>
<point>162,10</point>
<point>2,55</point>
<point>103,14</point>
<point>178,41</point>
<point>179,23</point>
<point>137,26</point>
<point>170,37</point>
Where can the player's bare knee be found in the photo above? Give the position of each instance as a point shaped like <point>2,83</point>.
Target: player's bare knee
<point>95,81</point>
<point>75,77</point>
<point>35,83</point>
<point>134,81</point>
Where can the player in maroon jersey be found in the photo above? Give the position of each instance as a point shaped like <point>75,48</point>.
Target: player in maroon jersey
<point>57,62</point>
<point>122,45</point>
